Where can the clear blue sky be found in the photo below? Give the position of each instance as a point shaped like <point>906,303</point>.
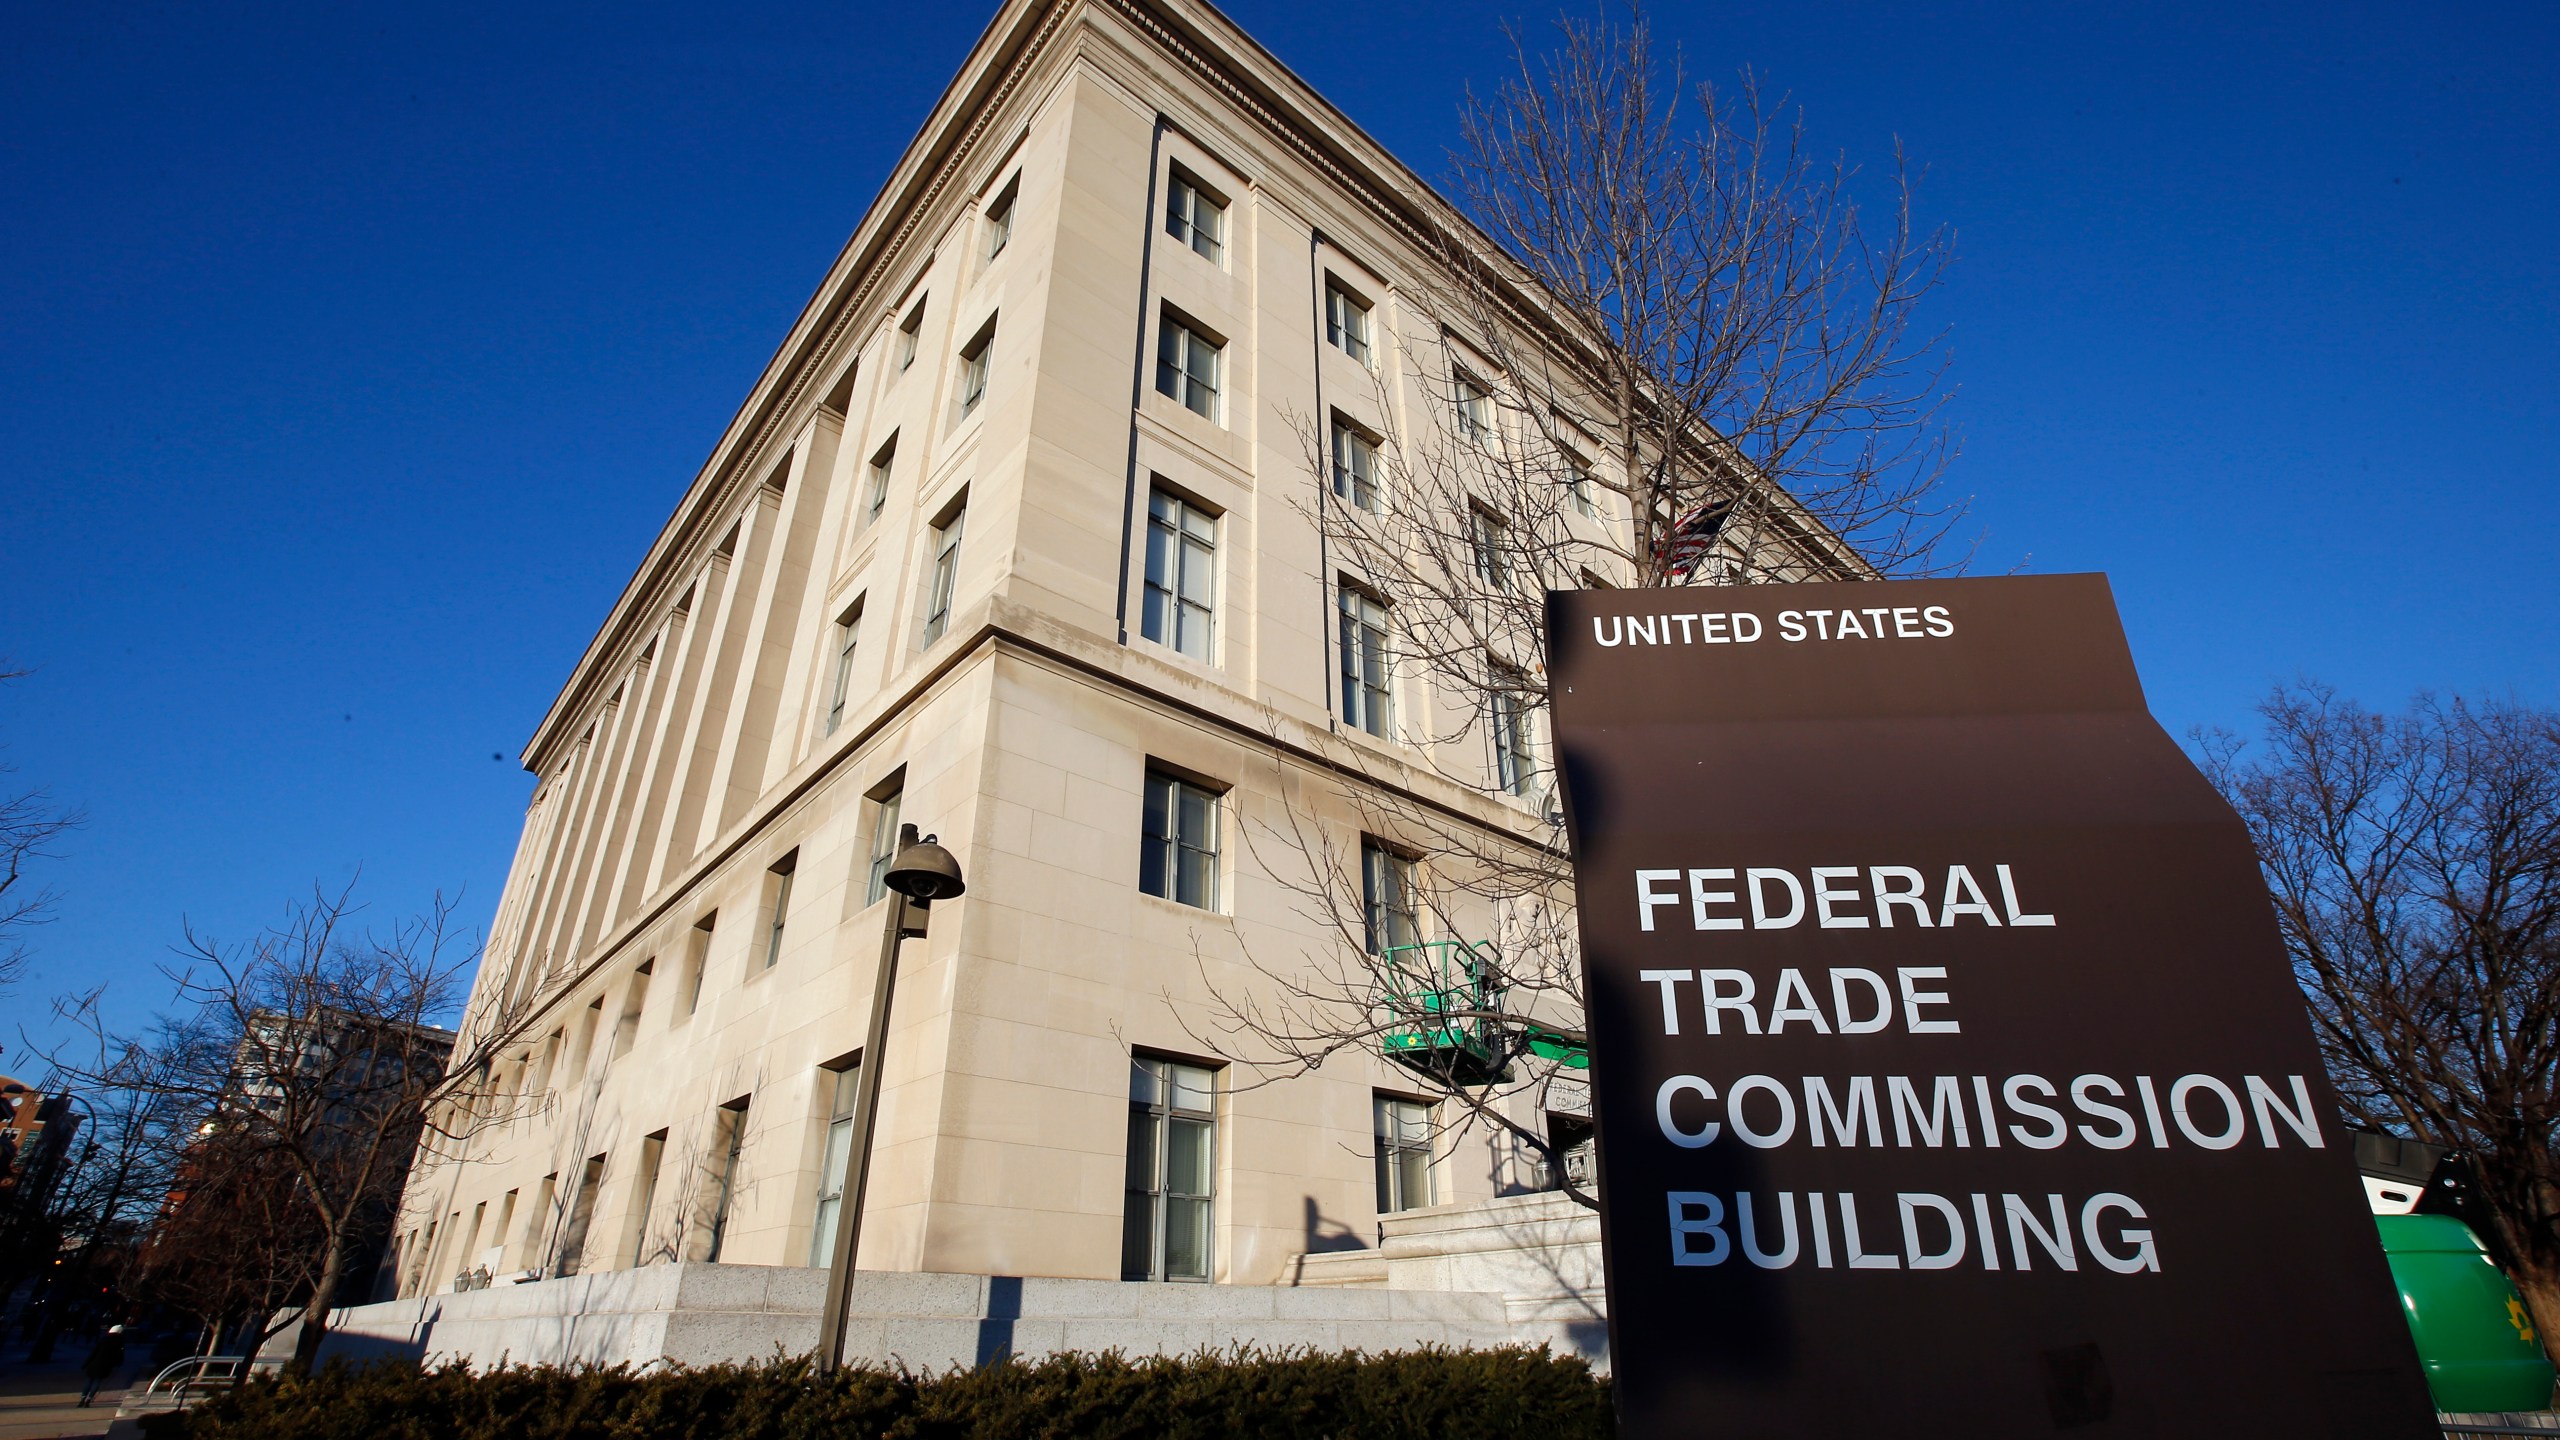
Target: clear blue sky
<point>350,356</point>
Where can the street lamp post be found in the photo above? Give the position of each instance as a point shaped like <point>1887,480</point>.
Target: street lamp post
<point>922,873</point>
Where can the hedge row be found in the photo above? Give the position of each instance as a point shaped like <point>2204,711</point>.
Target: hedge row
<point>1477,1394</point>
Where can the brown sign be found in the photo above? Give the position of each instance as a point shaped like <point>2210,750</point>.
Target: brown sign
<point>1949,1074</point>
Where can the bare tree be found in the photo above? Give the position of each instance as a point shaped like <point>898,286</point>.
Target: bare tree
<point>110,1180</point>
<point>1670,350</point>
<point>229,1245</point>
<point>30,824</point>
<point>2414,861</point>
<point>1684,285</point>
<point>310,1057</point>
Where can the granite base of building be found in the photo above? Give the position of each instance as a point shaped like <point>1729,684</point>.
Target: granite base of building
<point>702,1314</point>
<point>1539,1254</point>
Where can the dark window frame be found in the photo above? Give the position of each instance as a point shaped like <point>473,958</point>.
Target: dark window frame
<point>1367,642</point>
<point>1174,611</point>
<point>1162,1127</point>
<point>1401,1128</point>
<point>1196,216</point>
<point>1190,365</point>
<point>1180,835</point>
<point>1390,896</point>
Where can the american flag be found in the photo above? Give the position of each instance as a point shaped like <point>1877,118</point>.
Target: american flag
<point>1686,543</point>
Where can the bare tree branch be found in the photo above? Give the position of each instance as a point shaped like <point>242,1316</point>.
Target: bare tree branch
<point>310,1067</point>
<point>1672,350</point>
<point>30,825</point>
<point>2414,861</point>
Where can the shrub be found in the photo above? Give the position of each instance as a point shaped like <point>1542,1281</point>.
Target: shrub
<point>1296,1395</point>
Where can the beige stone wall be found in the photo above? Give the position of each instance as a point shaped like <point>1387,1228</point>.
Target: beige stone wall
<point>691,751</point>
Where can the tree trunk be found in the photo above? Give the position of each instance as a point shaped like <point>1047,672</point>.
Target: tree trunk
<point>315,1311</point>
<point>2538,1281</point>
<point>2520,1201</point>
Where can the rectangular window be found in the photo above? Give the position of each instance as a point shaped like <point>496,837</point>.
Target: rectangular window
<point>1506,715</point>
<point>1578,479</point>
<point>973,367</point>
<point>839,397</point>
<point>1367,700</point>
<point>1571,1136</point>
<point>1000,220</point>
<point>552,1050</point>
<point>590,1021</point>
<point>729,1140</point>
<point>1346,322</point>
<point>778,882</point>
<point>1474,411</point>
<point>697,955</point>
<point>884,845</point>
<point>1391,908</point>
<point>1355,466</point>
<point>537,1222</point>
<point>877,498</point>
<point>627,1029</point>
<point>422,1258</point>
<point>1187,366</point>
<point>582,1214</point>
<point>440,1277</point>
<point>462,1259</point>
<point>653,1152</point>
<point>1196,218</point>
<point>946,575</point>
<point>1178,857</point>
<point>1490,541</point>
<point>910,334</point>
<point>848,635</point>
<point>1165,1229</point>
<point>1404,1154</point>
<point>495,1257</point>
<point>834,1159</point>
<point>1182,571</point>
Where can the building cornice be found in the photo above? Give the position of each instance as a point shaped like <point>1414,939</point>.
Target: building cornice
<point>1210,49</point>
<point>1204,42</point>
<point>997,64</point>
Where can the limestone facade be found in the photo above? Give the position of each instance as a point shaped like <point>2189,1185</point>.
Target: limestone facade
<point>913,574</point>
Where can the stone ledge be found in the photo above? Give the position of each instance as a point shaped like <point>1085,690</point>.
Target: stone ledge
<point>696,1314</point>
<point>1340,1269</point>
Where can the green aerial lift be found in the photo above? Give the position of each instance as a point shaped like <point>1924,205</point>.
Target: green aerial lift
<point>1444,1000</point>
<point>2474,1337</point>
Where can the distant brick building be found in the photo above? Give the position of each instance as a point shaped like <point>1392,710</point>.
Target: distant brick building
<point>36,1131</point>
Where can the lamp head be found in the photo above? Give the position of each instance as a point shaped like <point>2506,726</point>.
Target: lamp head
<point>924,870</point>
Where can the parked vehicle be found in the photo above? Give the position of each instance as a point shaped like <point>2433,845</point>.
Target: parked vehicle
<point>184,1382</point>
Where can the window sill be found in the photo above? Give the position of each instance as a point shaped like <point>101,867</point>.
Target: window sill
<point>1190,912</point>
<point>1176,422</point>
<point>859,550</point>
<point>1389,746</point>
<point>1157,649</point>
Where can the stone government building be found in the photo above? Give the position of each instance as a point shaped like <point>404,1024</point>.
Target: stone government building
<point>1009,541</point>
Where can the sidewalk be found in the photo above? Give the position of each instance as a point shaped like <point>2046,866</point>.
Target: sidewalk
<point>40,1402</point>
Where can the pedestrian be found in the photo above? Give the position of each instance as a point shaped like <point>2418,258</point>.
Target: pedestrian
<point>105,1358</point>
